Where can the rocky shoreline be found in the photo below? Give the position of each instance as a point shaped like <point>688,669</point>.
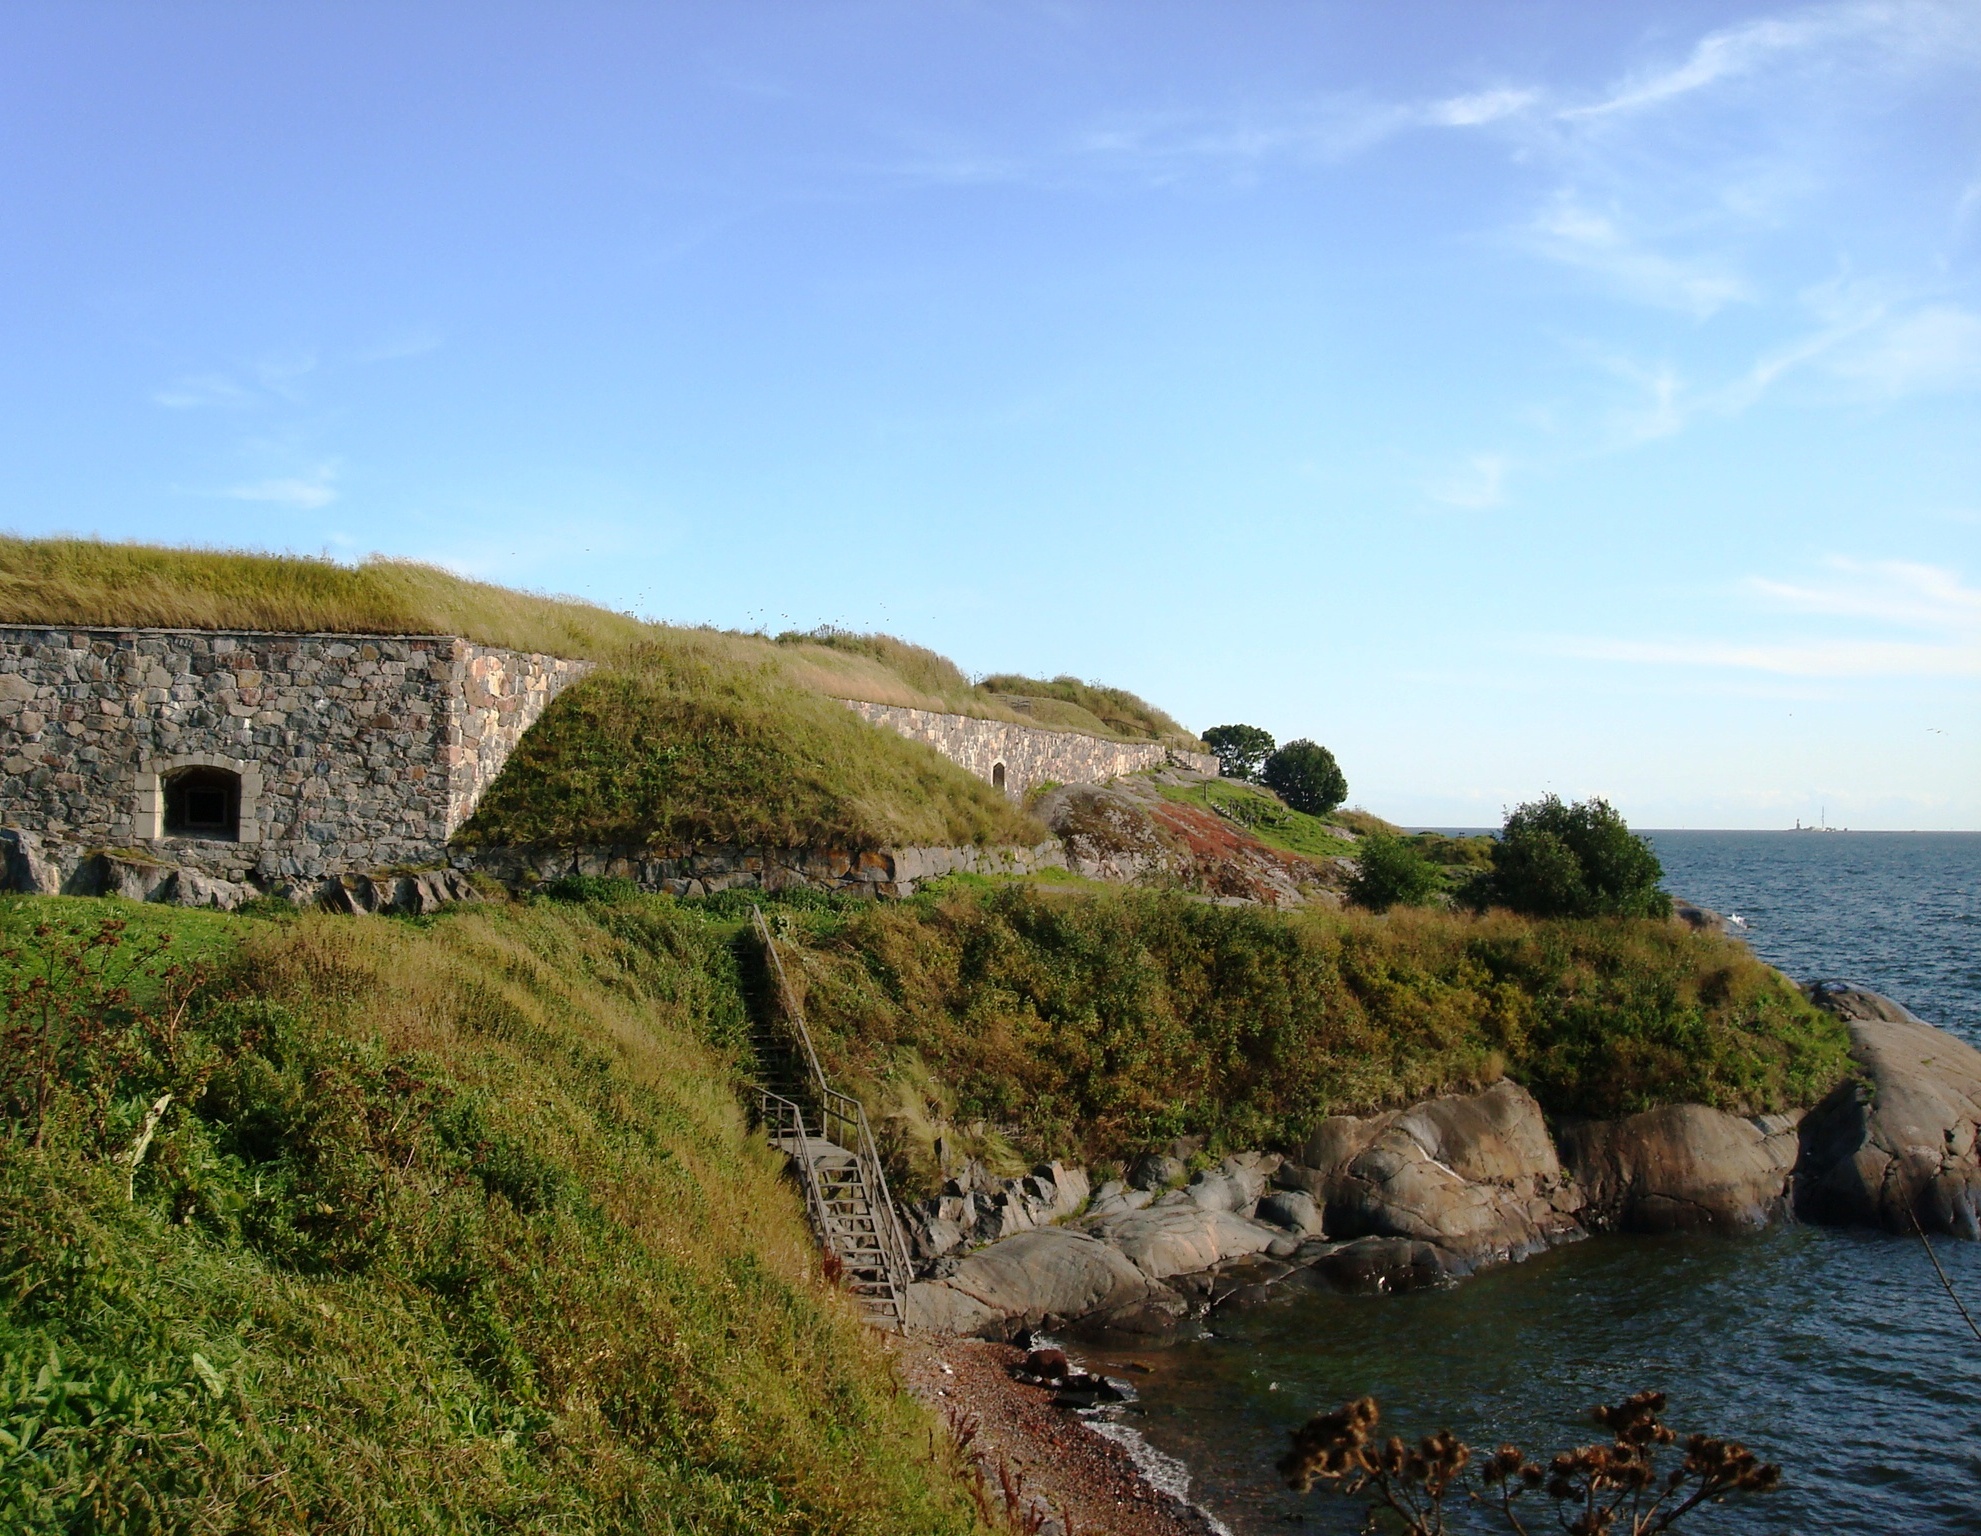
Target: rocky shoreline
<point>1434,1192</point>
<point>1043,1468</point>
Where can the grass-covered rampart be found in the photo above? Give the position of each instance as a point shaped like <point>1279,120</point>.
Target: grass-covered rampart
<point>452,1224</point>
<point>1094,1025</point>
<point>681,735</point>
<point>684,746</point>
<point>87,581</point>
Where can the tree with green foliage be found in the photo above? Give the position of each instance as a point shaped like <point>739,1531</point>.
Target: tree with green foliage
<point>1391,871</point>
<point>1240,749</point>
<point>1559,860</point>
<point>1305,775</point>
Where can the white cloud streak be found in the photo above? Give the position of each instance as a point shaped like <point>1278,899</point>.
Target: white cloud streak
<point>1932,602</point>
<point>304,493</point>
<point>1478,487</point>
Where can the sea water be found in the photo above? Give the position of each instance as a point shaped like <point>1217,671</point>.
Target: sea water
<point>1833,1352</point>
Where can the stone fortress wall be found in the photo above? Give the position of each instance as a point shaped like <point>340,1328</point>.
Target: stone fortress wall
<point>1028,755</point>
<point>345,752</point>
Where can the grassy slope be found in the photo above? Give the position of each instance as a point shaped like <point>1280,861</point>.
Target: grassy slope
<point>683,748</point>
<point>1112,711</point>
<point>1272,823</point>
<point>458,1226</point>
<point>1095,1025</point>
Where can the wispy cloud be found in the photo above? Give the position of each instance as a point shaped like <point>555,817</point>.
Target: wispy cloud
<point>1479,108</point>
<point>272,376</point>
<point>1815,658</point>
<point>1938,614</point>
<point>417,342</point>
<point>1891,28</point>
<point>191,391</point>
<point>305,492</point>
<point>1477,487</point>
<point>1578,236</point>
<point>1931,349</point>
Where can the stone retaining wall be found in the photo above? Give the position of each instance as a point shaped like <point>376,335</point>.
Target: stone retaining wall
<point>1029,755</point>
<point>349,751</point>
<point>703,871</point>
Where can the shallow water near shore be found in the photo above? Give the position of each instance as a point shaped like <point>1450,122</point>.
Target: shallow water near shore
<point>1835,1353</point>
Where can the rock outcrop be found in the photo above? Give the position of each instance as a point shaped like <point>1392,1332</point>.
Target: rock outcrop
<point>1035,1279</point>
<point>413,895</point>
<point>1897,1147</point>
<point>1682,1167</point>
<point>977,1207</point>
<point>1431,1193</point>
<point>1127,831</point>
<point>1178,1236</point>
<point>23,866</point>
<point>1474,1175</point>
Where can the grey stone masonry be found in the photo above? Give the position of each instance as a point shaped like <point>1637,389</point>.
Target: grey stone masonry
<point>704,871</point>
<point>1018,757</point>
<point>331,753</point>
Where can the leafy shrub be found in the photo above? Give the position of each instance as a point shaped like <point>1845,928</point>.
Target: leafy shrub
<point>1390,872</point>
<point>1581,860</point>
<point>1240,749</point>
<point>1305,775</point>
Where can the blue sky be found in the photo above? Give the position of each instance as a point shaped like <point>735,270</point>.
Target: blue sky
<point>1514,397</point>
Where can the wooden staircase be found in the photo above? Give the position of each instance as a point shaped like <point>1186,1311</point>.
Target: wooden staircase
<point>825,1134</point>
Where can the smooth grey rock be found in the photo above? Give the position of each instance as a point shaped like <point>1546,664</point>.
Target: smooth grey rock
<point>1293,1209</point>
<point>1899,1146</point>
<point>1178,1237</point>
<point>1113,1198</point>
<point>1051,1275</point>
<point>1682,1167</point>
<point>1390,1264</point>
<point>1474,1174</point>
<point>23,867</point>
<point>190,888</point>
<point>112,874</point>
<point>1155,1171</point>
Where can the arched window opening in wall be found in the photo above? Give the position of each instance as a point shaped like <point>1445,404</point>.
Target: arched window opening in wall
<point>997,775</point>
<point>203,802</point>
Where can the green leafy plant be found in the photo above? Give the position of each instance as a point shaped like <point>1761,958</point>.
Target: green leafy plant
<point>1305,775</point>
<point>1241,749</point>
<point>1390,871</point>
<point>1624,1488</point>
<point>1558,860</point>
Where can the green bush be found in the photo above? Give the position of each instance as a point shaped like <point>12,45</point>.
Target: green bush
<point>1094,1025</point>
<point>1391,872</point>
<point>1305,775</point>
<point>1581,860</point>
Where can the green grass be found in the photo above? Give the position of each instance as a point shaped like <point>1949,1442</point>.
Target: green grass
<point>1115,711</point>
<point>1095,1025</point>
<point>681,746</point>
<point>1261,814</point>
<point>455,1225</point>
